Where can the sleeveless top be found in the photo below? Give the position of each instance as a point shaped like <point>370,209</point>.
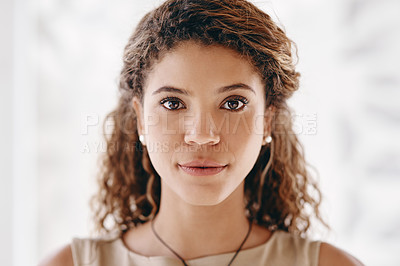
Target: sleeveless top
<point>281,249</point>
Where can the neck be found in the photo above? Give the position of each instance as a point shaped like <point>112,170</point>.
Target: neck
<point>195,231</point>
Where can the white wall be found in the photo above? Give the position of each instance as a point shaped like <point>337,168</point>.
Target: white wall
<point>6,19</point>
<point>349,57</point>
<point>18,134</point>
<point>59,67</point>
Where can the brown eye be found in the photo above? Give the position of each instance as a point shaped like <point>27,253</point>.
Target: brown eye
<point>171,103</point>
<point>235,104</point>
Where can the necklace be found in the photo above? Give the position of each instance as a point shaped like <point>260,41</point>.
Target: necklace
<point>183,261</point>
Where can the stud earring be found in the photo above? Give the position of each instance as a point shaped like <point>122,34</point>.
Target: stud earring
<point>141,138</point>
<point>267,139</point>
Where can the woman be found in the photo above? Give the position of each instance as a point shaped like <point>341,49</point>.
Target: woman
<point>202,166</point>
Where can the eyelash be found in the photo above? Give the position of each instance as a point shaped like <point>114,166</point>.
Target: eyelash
<point>243,100</point>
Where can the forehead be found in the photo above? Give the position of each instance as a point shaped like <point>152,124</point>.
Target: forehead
<point>191,65</point>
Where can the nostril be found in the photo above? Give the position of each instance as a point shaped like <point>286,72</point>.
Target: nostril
<point>202,139</point>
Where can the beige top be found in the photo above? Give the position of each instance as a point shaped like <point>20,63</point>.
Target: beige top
<point>282,249</point>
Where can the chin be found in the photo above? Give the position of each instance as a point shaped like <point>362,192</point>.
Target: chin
<point>200,197</point>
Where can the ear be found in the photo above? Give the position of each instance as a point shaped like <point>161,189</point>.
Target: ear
<point>137,106</point>
<point>268,117</point>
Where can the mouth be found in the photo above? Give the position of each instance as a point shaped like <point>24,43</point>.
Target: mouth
<point>201,170</point>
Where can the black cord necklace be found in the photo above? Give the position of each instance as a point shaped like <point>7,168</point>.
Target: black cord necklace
<point>183,261</point>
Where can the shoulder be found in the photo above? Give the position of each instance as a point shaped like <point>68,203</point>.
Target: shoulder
<point>330,255</point>
<point>62,257</point>
<point>84,251</point>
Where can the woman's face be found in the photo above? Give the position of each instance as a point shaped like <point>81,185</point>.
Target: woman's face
<point>202,104</point>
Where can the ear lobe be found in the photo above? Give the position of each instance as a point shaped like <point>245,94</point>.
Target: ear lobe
<point>137,106</point>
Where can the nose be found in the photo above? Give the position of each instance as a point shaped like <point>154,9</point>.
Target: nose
<point>201,133</point>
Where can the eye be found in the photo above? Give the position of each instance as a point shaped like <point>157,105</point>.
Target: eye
<point>235,104</point>
<point>171,103</point>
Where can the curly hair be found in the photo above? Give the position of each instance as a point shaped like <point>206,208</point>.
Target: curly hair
<point>279,190</point>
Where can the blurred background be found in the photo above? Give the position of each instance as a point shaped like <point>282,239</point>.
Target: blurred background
<point>60,62</point>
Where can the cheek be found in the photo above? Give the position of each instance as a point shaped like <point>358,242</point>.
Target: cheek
<point>161,126</point>
<point>245,140</point>
<point>246,126</point>
<point>160,140</point>
<point>163,140</point>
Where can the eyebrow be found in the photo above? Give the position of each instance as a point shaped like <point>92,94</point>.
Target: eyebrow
<point>220,90</point>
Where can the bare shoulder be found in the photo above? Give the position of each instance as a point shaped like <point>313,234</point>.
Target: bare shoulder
<point>62,257</point>
<point>330,255</point>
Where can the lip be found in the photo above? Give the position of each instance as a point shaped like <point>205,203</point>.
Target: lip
<point>202,167</point>
<point>198,171</point>
<point>202,163</point>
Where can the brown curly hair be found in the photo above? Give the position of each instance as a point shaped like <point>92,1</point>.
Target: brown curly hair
<point>279,191</point>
